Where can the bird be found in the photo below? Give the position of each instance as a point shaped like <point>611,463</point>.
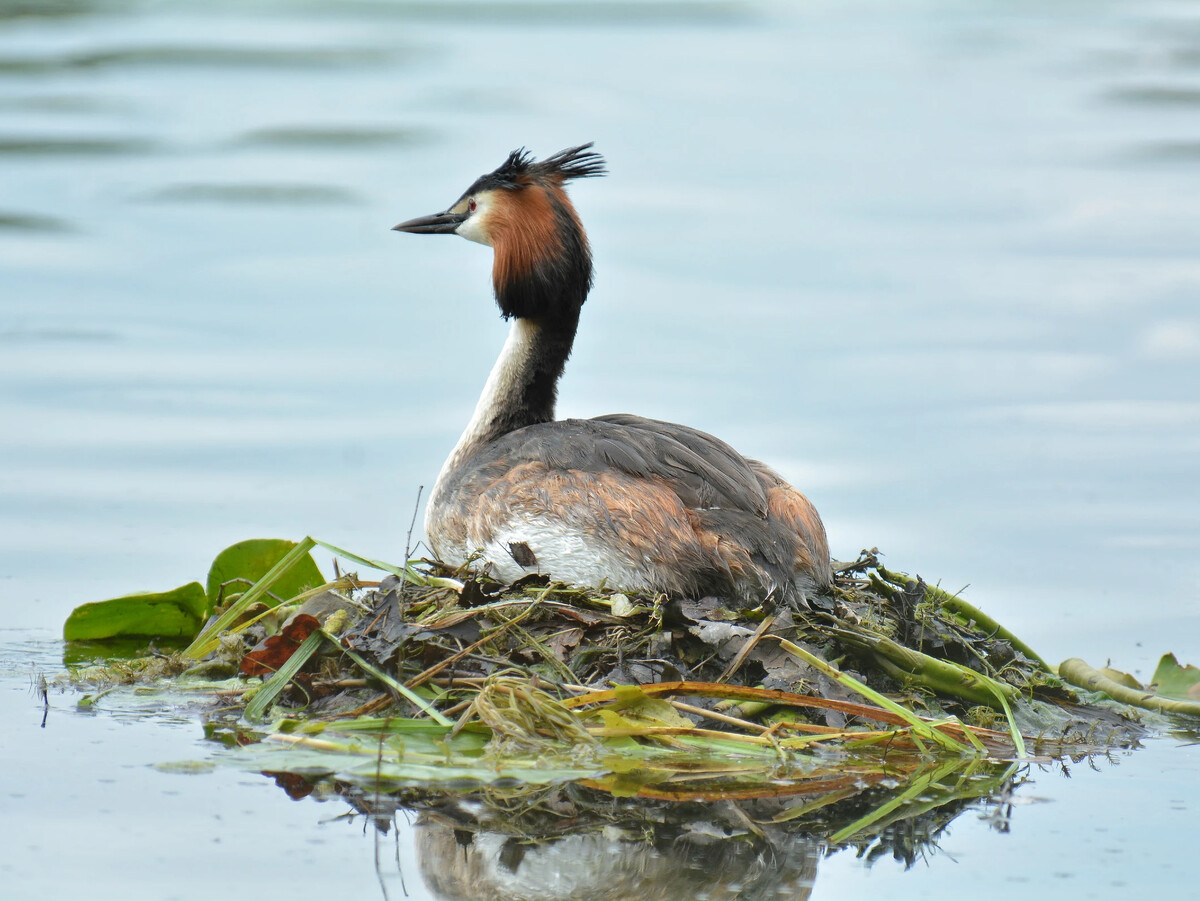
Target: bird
<point>619,501</point>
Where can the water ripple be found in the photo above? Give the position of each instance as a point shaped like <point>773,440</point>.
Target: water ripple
<point>316,137</point>
<point>1156,95</point>
<point>264,193</point>
<point>75,146</point>
<point>1165,152</point>
<point>32,222</point>
<point>174,57</point>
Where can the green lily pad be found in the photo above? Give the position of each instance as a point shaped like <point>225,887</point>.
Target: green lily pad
<point>178,613</point>
<point>249,561</point>
<point>1174,681</point>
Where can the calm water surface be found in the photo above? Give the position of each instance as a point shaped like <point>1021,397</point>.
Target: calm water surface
<point>936,263</point>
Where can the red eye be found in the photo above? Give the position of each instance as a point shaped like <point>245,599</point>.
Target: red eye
<point>471,204</point>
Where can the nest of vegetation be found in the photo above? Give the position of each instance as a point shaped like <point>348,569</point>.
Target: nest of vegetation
<point>868,719</point>
<point>406,649</point>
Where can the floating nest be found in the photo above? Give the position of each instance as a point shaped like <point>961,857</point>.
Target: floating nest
<point>921,647</point>
<point>535,711</point>
<point>618,736</point>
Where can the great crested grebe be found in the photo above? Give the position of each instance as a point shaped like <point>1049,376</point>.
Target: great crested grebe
<point>636,504</point>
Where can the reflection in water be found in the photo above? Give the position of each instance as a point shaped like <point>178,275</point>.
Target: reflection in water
<point>460,864</point>
<point>576,842</point>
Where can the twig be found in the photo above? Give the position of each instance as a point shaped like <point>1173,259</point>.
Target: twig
<point>454,658</point>
<point>740,658</point>
<point>408,551</point>
<point>719,717</point>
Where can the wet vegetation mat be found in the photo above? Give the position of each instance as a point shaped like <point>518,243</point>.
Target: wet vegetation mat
<point>869,718</point>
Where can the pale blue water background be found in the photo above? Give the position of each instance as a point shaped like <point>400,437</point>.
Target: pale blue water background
<point>936,262</point>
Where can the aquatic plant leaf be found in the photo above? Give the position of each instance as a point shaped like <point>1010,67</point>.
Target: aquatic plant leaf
<point>207,640</point>
<point>1121,678</point>
<point>1078,672</point>
<point>178,613</point>
<point>1174,681</point>
<point>248,561</point>
<point>270,654</point>
<point>635,705</point>
<point>83,654</point>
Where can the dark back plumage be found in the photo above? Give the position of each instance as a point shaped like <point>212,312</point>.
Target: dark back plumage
<point>704,518</point>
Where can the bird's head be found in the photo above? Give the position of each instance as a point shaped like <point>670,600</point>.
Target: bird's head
<point>543,265</point>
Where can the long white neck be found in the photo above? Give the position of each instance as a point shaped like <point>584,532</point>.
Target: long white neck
<point>503,399</point>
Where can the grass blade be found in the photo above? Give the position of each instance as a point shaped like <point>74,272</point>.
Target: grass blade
<point>399,687</point>
<point>407,572</point>
<point>272,688</point>
<point>206,641</point>
<point>919,726</point>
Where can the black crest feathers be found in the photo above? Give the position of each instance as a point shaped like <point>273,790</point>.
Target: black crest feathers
<point>521,168</point>
<point>543,265</point>
<point>574,162</point>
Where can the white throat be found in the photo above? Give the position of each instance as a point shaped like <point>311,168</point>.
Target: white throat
<point>506,381</point>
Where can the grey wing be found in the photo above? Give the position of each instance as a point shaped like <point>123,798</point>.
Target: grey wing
<point>711,461</point>
<point>703,471</point>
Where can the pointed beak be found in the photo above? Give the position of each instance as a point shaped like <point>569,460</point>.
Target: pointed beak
<point>437,224</point>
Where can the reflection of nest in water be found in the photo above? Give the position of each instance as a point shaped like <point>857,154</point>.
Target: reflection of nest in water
<point>599,865</point>
<point>574,842</point>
